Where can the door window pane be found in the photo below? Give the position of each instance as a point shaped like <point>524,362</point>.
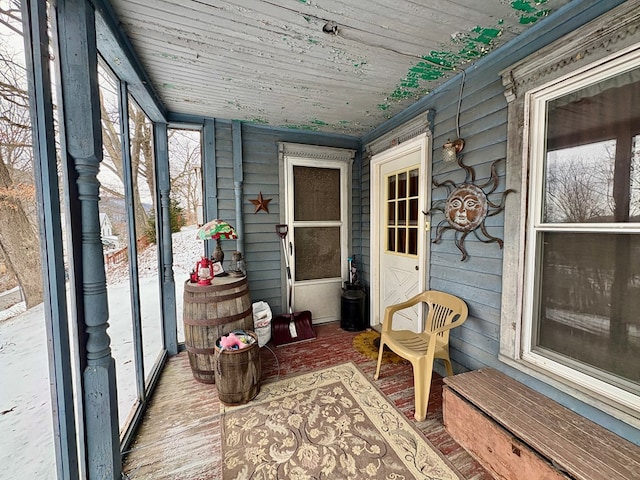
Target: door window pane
<point>391,213</point>
<point>402,185</point>
<point>413,241</point>
<point>391,187</point>
<point>413,212</point>
<point>391,239</point>
<point>402,241</point>
<point>413,182</point>
<point>317,252</point>
<point>402,212</point>
<point>316,194</point>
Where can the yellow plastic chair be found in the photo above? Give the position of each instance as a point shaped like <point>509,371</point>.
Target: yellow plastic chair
<point>444,312</point>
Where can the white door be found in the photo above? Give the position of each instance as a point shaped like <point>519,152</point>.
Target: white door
<point>400,230</point>
<point>318,201</point>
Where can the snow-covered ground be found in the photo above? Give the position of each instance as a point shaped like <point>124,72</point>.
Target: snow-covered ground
<point>26,440</point>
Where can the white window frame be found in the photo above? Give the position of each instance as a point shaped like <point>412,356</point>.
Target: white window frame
<point>538,101</point>
<point>580,58</point>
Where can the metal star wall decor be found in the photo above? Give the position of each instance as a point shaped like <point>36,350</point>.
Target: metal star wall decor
<point>466,207</point>
<point>261,203</point>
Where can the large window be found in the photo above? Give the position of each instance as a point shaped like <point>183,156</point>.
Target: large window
<point>582,274</point>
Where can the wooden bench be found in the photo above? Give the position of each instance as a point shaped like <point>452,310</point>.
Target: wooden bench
<point>517,433</point>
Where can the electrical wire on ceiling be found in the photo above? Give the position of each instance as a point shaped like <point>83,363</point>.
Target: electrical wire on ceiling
<point>464,75</point>
<point>451,149</point>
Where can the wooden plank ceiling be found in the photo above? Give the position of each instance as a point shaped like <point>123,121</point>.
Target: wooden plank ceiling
<point>325,65</point>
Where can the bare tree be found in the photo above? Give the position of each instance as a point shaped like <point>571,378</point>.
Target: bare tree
<point>20,243</point>
<point>141,145</point>
<point>184,160</point>
<point>575,191</point>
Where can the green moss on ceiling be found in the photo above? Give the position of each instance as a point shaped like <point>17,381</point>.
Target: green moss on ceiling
<point>316,125</point>
<point>530,12</point>
<point>461,49</point>
<point>311,128</point>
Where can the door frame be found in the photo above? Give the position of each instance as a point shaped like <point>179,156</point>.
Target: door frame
<point>420,143</point>
<point>291,154</point>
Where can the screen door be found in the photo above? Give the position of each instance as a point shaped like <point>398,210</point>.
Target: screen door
<point>318,204</point>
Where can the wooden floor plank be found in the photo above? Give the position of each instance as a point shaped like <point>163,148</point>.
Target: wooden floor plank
<point>180,435</point>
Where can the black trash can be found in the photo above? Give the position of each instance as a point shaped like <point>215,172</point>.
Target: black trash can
<point>353,308</point>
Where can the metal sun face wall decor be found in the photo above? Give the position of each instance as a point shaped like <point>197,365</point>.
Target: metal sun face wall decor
<point>467,206</point>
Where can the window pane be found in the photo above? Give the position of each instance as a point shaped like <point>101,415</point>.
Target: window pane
<point>317,252</point>
<point>145,211</point>
<point>413,241</point>
<point>413,212</point>
<point>114,236</point>
<point>402,212</point>
<point>589,302</point>
<point>391,213</point>
<point>391,239</point>
<point>391,187</point>
<point>26,413</point>
<point>185,171</point>
<point>592,171</point>
<point>316,193</point>
<point>402,185</point>
<point>402,240</point>
<point>413,183</point>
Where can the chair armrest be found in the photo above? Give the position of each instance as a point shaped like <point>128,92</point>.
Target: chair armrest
<point>391,309</point>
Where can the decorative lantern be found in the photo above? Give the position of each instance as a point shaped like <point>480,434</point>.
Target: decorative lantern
<point>237,267</point>
<point>204,271</point>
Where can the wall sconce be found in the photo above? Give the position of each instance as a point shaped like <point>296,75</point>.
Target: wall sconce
<point>451,149</point>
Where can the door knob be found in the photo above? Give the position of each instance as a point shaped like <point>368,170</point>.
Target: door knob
<point>417,268</point>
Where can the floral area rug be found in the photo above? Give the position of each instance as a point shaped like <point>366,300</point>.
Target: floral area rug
<point>328,424</point>
<point>368,344</point>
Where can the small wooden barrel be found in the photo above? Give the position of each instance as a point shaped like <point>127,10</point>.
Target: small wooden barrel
<point>238,373</point>
<point>211,311</point>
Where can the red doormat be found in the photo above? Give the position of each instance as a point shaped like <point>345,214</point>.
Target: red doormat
<point>368,344</point>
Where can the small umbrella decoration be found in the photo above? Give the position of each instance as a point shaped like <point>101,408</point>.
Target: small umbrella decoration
<point>216,230</point>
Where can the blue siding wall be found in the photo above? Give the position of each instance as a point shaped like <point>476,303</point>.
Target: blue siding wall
<point>483,125</point>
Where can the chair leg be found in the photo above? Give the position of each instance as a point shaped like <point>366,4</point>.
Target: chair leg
<point>380,352</point>
<point>447,366</point>
<point>422,372</point>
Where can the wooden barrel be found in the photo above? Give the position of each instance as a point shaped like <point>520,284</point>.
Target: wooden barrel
<point>211,311</point>
<point>238,373</point>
